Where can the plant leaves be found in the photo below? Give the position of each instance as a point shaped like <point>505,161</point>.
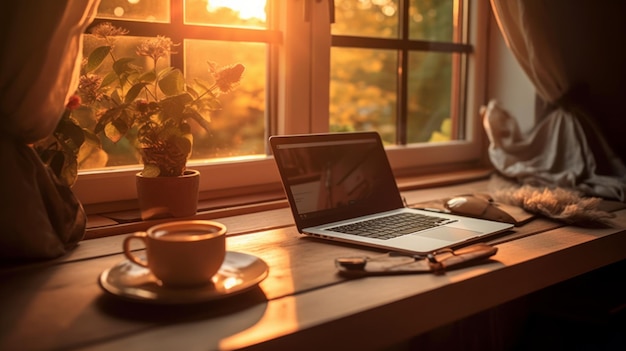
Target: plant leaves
<point>109,79</point>
<point>172,83</point>
<point>147,77</point>
<point>91,156</point>
<point>212,104</point>
<point>116,129</point>
<point>133,92</point>
<point>91,138</point>
<point>150,170</point>
<point>173,106</point>
<point>122,66</point>
<point>203,84</point>
<point>185,129</point>
<point>203,122</point>
<point>69,172</point>
<point>183,144</point>
<point>96,58</point>
<point>166,71</point>
<point>56,161</point>
<point>71,134</point>
<point>112,133</point>
<point>192,92</point>
<point>106,118</point>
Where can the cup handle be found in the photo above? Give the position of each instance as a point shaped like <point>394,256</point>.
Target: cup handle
<point>131,256</point>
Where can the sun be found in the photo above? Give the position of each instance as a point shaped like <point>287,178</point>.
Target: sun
<point>247,9</point>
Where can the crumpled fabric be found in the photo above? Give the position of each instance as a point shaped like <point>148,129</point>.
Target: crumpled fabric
<point>555,153</point>
<point>41,218</point>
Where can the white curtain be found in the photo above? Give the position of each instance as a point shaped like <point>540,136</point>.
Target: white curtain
<point>564,147</point>
<point>40,53</point>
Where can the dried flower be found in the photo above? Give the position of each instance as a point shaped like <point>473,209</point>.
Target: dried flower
<point>89,88</point>
<point>156,48</point>
<point>227,77</point>
<point>107,29</point>
<point>73,103</point>
<point>142,106</point>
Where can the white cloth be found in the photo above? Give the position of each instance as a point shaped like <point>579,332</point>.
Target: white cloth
<point>554,153</point>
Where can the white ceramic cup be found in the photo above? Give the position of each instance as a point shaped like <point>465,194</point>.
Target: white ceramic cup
<point>182,253</point>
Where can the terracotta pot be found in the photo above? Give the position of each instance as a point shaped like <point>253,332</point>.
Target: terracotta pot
<point>163,197</point>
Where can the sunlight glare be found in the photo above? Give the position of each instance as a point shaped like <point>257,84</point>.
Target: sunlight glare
<point>247,9</point>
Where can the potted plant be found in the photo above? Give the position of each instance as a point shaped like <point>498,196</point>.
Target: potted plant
<point>153,107</point>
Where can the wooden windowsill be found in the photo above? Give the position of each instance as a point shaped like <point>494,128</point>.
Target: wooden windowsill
<point>106,223</point>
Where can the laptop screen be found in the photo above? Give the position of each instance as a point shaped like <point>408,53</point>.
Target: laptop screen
<point>333,177</point>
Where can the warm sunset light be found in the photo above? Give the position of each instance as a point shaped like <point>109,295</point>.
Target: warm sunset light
<point>246,8</point>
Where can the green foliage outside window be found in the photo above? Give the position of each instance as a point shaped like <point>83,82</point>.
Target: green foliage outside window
<point>364,82</point>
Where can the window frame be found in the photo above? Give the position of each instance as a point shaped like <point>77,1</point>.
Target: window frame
<point>305,54</point>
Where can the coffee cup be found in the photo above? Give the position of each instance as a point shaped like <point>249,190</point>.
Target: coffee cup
<point>182,253</point>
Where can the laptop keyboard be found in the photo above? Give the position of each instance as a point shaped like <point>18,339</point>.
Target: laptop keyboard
<point>392,226</point>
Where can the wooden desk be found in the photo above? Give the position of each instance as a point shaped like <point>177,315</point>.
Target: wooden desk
<point>303,304</point>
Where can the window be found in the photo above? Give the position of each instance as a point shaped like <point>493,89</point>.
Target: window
<point>403,73</point>
<point>395,66</point>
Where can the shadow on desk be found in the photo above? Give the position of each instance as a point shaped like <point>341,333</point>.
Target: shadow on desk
<point>171,314</point>
<point>584,313</point>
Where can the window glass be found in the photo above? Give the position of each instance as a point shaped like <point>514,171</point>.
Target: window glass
<point>403,83</point>
<point>429,97</point>
<point>240,13</point>
<point>363,91</point>
<point>368,18</point>
<point>136,10</point>
<point>238,128</point>
<point>432,20</point>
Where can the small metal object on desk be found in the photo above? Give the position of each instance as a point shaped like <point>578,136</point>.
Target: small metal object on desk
<point>393,264</point>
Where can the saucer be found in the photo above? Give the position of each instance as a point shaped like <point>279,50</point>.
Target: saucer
<point>239,272</point>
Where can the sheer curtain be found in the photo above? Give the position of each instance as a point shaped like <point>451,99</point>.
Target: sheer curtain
<point>568,51</point>
<point>40,55</point>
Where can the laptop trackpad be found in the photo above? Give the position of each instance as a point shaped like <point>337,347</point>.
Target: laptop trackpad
<point>449,234</point>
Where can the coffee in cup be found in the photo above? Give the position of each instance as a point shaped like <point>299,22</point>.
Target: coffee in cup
<point>182,253</point>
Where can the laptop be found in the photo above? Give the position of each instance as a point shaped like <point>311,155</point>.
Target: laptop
<point>340,184</point>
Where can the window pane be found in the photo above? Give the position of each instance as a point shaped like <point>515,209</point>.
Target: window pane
<point>363,91</point>
<point>430,89</point>
<point>238,129</point>
<point>240,13</point>
<point>366,18</point>
<point>136,10</point>
<point>432,20</point>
